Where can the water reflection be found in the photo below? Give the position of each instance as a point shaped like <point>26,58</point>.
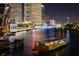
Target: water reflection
<point>29,39</point>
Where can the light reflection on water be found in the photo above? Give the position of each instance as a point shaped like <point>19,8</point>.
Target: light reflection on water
<point>29,39</point>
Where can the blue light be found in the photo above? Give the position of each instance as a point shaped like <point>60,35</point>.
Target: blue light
<point>45,27</point>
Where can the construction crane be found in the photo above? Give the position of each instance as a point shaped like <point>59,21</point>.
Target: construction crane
<point>4,28</point>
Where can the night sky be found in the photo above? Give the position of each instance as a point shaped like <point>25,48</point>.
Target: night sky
<point>60,11</point>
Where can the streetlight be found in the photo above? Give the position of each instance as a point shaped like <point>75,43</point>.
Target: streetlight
<point>7,8</point>
<point>6,11</point>
<point>42,6</point>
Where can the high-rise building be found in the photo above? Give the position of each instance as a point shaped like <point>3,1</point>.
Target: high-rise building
<point>36,13</point>
<point>27,12</point>
<point>33,12</point>
<point>16,11</point>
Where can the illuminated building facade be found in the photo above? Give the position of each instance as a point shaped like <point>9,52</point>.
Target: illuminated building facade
<point>33,12</point>
<point>27,12</point>
<point>36,12</point>
<point>16,11</point>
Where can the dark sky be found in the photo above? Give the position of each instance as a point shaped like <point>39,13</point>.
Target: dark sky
<point>60,11</point>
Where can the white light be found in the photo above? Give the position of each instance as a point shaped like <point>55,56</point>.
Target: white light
<point>58,25</point>
<point>42,5</point>
<point>62,41</point>
<point>46,44</point>
<point>17,22</point>
<point>52,22</point>
<point>7,8</point>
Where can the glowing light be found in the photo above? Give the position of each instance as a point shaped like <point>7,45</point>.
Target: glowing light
<point>62,41</point>
<point>56,42</point>
<point>58,25</point>
<point>42,6</point>
<point>17,22</point>
<point>33,31</point>
<point>51,42</point>
<point>26,22</point>
<point>7,8</point>
<point>46,44</point>
<point>52,22</point>
<point>33,38</point>
<point>59,42</point>
<point>44,27</point>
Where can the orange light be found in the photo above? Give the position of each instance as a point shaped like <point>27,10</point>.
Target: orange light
<point>48,44</point>
<point>51,42</point>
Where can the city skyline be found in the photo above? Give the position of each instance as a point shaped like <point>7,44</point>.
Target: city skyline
<point>60,11</point>
<point>37,29</point>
